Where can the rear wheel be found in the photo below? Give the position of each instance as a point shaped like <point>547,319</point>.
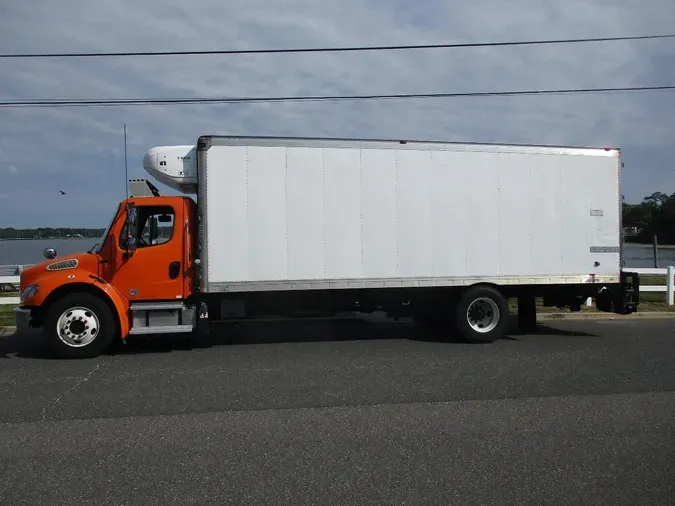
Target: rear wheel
<point>80,325</point>
<point>482,315</point>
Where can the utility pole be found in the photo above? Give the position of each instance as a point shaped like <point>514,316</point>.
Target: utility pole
<point>126,166</point>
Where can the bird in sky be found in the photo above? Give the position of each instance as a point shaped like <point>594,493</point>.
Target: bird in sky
<point>63,193</point>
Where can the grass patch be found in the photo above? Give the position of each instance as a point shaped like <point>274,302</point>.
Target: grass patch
<point>653,280</point>
<point>6,315</point>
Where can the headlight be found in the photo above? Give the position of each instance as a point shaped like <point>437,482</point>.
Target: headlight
<point>29,291</point>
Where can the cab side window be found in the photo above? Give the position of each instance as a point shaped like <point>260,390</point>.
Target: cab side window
<point>155,226</point>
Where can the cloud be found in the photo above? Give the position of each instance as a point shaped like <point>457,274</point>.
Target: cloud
<point>82,149</point>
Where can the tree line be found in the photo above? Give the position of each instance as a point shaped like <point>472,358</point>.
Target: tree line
<point>50,233</point>
<point>63,233</point>
<point>655,215</point>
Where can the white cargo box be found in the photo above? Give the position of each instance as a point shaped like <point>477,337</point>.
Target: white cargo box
<point>281,214</point>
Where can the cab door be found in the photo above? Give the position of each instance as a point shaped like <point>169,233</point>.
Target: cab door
<point>154,270</point>
<point>191,233</point>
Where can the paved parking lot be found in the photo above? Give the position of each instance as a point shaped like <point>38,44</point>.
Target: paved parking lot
<point>346,412</point>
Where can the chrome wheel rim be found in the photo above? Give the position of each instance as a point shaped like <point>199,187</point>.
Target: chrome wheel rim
<point>483,315</point>
<point>77,327</point>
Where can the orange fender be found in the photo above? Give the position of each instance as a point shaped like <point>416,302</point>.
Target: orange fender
<point>53,286</point>
<point>121,304</point>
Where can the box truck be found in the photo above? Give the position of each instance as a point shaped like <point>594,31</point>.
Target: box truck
<point>443,232</point>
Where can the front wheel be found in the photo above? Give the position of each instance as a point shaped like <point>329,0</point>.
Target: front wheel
<point>482,315</point>
<point>80,325</point>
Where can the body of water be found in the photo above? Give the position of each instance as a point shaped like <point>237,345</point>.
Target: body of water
<point>30,252</point>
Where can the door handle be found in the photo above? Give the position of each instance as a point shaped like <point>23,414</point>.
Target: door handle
<point>174,270</point>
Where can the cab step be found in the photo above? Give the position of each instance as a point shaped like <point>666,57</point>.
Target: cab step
<point>162,317</point>
<point>161,329</point>
<point>156,306</point>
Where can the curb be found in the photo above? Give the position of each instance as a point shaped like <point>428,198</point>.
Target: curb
<point>656,315</point>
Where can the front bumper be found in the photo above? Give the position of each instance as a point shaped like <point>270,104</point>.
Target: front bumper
<point>22,317</point>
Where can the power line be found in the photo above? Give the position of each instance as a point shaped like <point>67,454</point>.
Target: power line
<point>339,49</point>
<point>317,98</point>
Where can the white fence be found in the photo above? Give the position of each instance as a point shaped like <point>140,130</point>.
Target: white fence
<point>8,281</point>
<point>668,288</point>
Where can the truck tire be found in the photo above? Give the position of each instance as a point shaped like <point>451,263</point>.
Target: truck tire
<point>80,325</point>
<point>482,315</point>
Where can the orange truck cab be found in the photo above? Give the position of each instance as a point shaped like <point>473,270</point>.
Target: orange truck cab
<point>142,269</point>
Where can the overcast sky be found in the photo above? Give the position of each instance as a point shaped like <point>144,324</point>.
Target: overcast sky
<point>80,150</point>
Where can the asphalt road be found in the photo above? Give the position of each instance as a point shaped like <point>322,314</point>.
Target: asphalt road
<point>343,412</point>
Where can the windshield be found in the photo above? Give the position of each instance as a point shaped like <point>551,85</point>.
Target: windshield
<point>99,245</point>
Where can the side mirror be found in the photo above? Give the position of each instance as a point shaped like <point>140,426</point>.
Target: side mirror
<point>49,253</point>
<point>131,244</point>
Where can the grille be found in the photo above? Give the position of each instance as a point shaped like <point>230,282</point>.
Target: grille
<point>63,265</point>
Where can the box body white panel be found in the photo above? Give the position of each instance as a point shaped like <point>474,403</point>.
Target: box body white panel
<point>358,213</point>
